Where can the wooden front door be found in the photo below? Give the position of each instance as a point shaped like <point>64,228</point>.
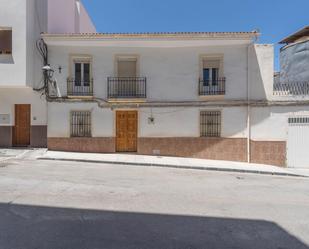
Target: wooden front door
<point>21,131</point>
<point>126,131</point>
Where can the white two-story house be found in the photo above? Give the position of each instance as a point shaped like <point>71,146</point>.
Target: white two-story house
<point>23,107</point>
<point>203,95</point>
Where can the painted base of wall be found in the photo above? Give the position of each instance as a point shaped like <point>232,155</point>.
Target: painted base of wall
<point>231,149</point>
<point>38,136</point>
<point>6,134</point>
<point>93,145</point>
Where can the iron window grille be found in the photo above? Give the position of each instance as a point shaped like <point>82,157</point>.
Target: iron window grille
<point>80,124</point>
<point>299,121</point>
<point>210,123</point>
<point>291,88</point>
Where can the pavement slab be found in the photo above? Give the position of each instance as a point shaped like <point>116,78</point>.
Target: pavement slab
<point>175,162</point>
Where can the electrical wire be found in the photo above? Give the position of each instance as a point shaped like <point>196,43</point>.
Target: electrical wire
<point>163,113</point>
<point>43,51</point>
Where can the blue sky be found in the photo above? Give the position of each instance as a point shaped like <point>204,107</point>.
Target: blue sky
<point>274,18</point>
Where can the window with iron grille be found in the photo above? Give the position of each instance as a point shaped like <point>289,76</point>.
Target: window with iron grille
<point>299,120</point>
<point>80,124</point>
<point>210,123</point>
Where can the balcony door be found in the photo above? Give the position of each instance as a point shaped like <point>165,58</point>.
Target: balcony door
<point>211,72</point>
<point>212,81</point>
<point>127,76</point>
<point>82,74</point>
<point>81,77</point>
<point>127,67</point>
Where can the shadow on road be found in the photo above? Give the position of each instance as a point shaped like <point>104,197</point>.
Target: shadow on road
<point>33,227</point>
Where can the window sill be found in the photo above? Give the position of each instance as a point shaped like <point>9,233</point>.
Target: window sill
<point>6,59</point>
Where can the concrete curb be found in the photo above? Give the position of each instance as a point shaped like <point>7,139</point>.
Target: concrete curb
<point>173,166</point>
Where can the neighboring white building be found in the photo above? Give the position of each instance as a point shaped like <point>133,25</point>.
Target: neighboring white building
<point>23,111</point>
<point>292,86</point>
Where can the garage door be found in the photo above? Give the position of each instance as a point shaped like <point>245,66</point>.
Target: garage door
<point>298,142</point>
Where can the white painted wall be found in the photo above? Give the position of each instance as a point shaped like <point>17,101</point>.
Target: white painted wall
<point>173,73</point>
<point>86,24</point>
<point>267,123</point>
<point>68,16</point>
<point>28,18</point>
<point>184,122</point>
<point>261,71</point>
<point>169,122</point>
<point>59,119</point>
<point>13,67</point>
<point>11,96</point>
<point>21,71</point>
<point>271,123</point>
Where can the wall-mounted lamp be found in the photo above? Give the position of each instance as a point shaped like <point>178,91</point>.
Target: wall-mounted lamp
<point>48,70</point>
<point>151,120</point>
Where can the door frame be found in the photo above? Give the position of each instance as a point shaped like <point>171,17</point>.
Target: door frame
<point>14,142</point>
<point>115,128</point>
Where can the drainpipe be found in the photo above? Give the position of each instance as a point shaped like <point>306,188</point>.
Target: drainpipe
<point>248,108</point>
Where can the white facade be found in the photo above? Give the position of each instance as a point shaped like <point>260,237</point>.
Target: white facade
<point>68,16</point>
<point>176,79</point>
<point>21,71</point>
<point>172,67</point>
<point>169,65</point>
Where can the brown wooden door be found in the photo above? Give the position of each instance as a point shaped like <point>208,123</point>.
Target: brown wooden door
<point>21,132</point>
<point>126,131</point>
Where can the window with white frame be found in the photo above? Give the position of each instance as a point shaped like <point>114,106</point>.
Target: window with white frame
<point>210,123</point>
<point>211,71</point>
<point>126,66</point>
<point>5,41</point>
<point>82,72</point>
<point>80,124</point>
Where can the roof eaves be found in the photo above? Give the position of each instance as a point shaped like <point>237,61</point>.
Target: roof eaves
<point>154,35</point>
<point>291,38</point>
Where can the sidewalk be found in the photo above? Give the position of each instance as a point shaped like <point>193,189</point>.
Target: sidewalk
<point>20,153</point>
<point>171,162</point>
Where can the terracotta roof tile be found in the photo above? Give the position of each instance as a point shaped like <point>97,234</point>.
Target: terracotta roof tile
<point>152,34</point>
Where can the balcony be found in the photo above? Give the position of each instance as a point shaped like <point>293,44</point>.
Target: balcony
<point>80,88</point>
<point>212,87</point>
<point>126,87</point>
<point>291,89</point>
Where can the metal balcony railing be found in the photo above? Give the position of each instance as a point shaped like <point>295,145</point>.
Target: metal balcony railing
<point>212,87</point>
<point>77,87</point>
<point>126,87</point>
<point>291,88</point>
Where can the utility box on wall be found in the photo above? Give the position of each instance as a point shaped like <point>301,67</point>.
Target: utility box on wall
<point>5,119</point>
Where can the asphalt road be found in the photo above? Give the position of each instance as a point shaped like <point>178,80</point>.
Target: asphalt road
<point>64,205</point>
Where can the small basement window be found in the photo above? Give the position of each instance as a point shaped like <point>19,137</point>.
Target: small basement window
<point>210,123</point>
<point>80,124</point>
<point>5,41</point>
